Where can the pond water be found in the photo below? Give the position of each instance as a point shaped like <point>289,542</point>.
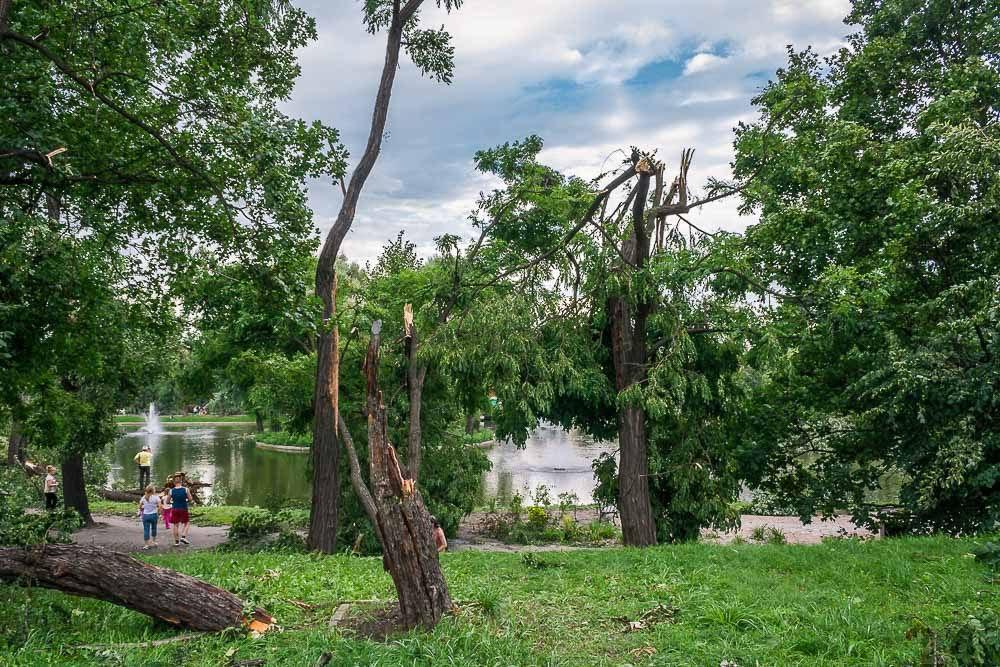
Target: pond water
<point>241,474</point>
<point>561,460</point>
<point>223,456</point>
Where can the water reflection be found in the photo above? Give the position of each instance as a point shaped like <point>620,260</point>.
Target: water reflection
<point>556,458</point>
<point>240,474</point>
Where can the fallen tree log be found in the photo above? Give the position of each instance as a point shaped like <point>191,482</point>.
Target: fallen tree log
<point>94,572</point>
<point>119,496</point>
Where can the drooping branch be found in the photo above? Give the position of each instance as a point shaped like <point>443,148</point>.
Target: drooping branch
<point>88,86</point>
<point>357,482</point>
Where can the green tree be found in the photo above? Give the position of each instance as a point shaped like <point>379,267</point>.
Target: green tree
<point>611,322</point>
<point>131,135</point>
<point>432,53</point>
<point>875,179</point>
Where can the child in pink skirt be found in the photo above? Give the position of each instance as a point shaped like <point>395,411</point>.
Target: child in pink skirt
<point>167,506</point>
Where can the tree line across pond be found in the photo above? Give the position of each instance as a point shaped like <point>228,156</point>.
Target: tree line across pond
<point>156,233</point>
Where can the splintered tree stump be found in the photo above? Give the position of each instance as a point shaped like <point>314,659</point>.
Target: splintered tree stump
<point>409,552</point>
<point>94,572</point>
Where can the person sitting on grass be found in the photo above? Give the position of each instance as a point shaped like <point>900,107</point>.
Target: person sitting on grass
<point>149,511</point>
<point>439,539</point>
<point>179,518</point>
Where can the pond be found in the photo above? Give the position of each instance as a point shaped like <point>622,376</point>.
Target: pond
<point>241,474</point>
<point>223,456</point>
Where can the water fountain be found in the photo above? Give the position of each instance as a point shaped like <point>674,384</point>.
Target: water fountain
<point>152,424</point>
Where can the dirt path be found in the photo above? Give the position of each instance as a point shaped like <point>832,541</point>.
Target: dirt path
<point>472,534</point>
<point>120,533</point>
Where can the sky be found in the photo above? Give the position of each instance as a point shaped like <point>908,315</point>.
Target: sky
<point>589,76</point>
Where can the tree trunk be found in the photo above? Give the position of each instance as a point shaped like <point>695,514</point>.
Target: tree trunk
<point>325,448</point>
<point>408,548</point>
<point>325,452</point>
<point>356,481</point>
<point>260,422</point>
<point>415,376</point>
<point>634,505</point>
<point>628,354</point>
<point>15,444</point>
<point>118,578</point>
<point>74,489</point>
<point>471,422</point>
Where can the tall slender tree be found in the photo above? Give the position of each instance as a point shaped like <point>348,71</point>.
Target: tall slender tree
<point>432,53</point>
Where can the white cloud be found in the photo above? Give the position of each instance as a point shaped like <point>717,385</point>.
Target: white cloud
<point>563,69</point>
<point>703,62</point>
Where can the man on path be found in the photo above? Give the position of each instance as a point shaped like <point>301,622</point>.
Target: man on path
<point>144,458</point>
<point>179,519</point>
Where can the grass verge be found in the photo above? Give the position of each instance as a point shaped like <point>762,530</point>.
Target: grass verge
<point>140,419</point>
<point>840,603</point>
<point>284,438</point>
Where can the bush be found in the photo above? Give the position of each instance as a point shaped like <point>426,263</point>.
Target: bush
<point>972,640</point>
<point>252,524</point>
<point>537,518</point>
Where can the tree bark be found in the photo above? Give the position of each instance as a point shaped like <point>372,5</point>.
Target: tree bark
<point>628,354</point>
<point>325,452</point>
<point>408,548</point>
<point>15,444</point>
<point>415,376</point>
<point>326,448</point>
<point>73,486</point>
<point>118,578</point>
<point>471,421</point>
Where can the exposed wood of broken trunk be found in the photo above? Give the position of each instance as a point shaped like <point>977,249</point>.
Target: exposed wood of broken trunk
<point>118,578</point>
<point>408,548</point>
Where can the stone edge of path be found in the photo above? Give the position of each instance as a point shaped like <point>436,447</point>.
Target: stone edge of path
<point>282,448</point>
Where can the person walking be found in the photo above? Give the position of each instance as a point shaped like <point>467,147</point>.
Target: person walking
<point>167,504</point>
<point>49,487</point>
<point>144,458</point>
<point>180,497</point>
<point>149,512</point>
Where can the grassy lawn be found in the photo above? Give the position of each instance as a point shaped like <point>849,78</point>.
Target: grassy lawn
<point>841,603</point>
<point>284,438</point>
<point>140,419</point>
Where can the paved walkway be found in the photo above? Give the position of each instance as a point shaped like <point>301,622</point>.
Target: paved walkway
<point>120,533</point>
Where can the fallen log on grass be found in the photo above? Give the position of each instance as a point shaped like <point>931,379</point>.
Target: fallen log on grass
<point>94,572</point>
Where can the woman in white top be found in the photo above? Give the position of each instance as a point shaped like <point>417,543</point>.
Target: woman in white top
<point>149,511</point>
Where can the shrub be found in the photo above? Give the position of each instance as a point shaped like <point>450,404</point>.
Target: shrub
<point>252,523</point>
<point>537,518</point>
<point>972,640</point>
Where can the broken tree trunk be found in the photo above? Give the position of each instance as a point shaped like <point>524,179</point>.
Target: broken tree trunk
<point>409,552</point>
<point>416,374</point>
<point>629,356</point>
<point>118,578</point>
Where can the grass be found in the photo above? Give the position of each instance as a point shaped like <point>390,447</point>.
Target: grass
<point>284,438</point>
<point>141,419</point>
<point>840,603</point>
<point>480,436</point>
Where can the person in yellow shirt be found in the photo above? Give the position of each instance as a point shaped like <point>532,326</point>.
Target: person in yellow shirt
<point>144,458</point>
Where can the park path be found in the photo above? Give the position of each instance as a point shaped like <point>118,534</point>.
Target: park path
<point>120,533</point>
<point>125,534</point>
